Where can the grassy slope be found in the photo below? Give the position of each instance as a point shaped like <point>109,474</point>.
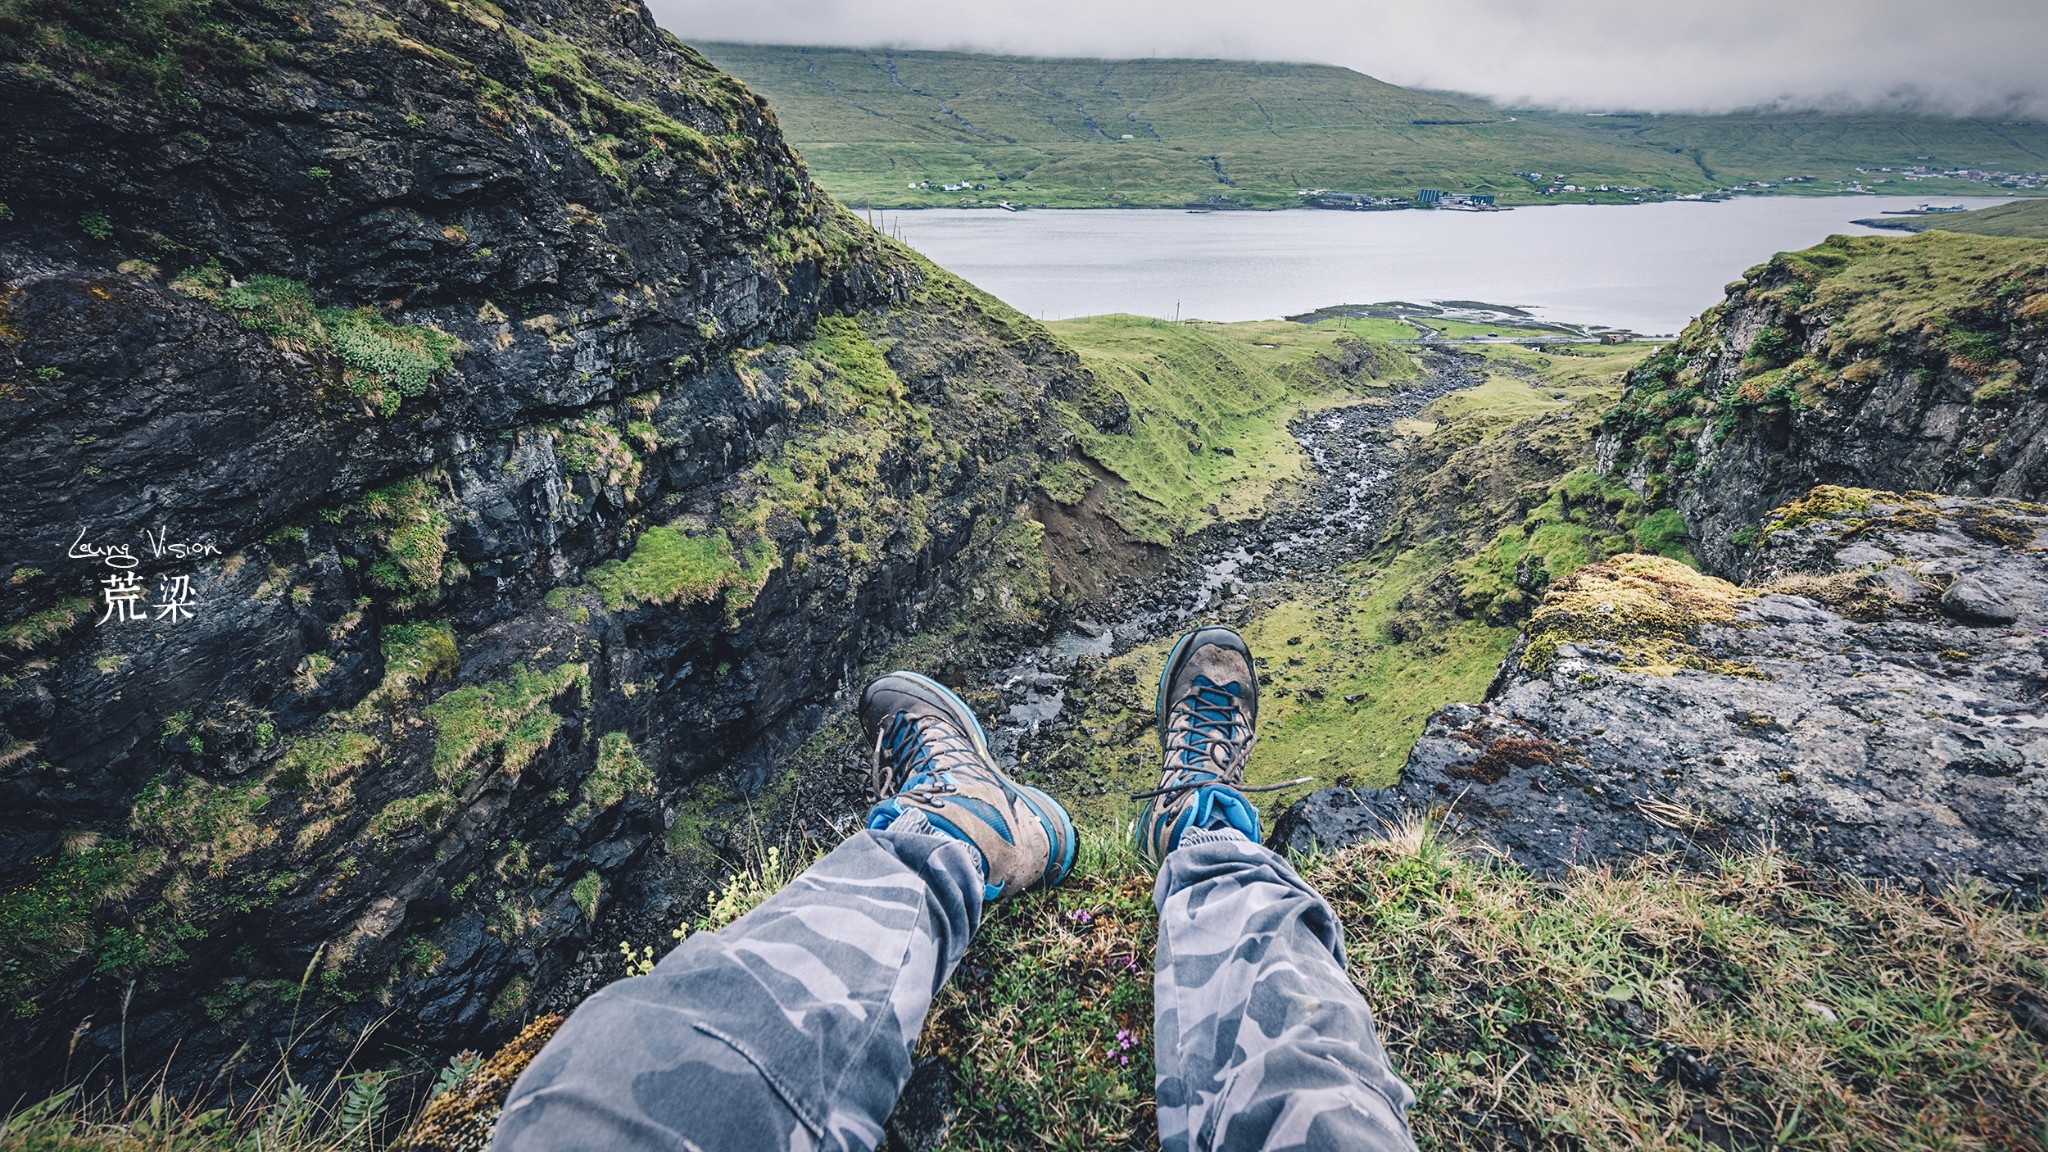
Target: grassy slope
<point>1909,301</point>
<point>1210,405</point>
<point>1639,1008</point>
<point>1040,131</point>
<point>1741,146</point>
<point>2027,219</point>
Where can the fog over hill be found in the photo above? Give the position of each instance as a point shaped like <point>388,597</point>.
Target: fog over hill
<point>1970,57</point>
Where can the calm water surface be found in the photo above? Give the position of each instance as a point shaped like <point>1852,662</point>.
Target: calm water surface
<point>1646,267</point>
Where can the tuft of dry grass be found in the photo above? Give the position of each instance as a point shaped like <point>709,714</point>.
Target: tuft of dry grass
<point>1755,1004</point>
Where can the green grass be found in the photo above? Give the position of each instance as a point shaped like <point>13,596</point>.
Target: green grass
<point>617,773</point>
<point>2027,219</point>
<point>40,628</point>
<point>48,920</point>
<point>1754,1002</point>
<point>668,567</point>
<point>1210,406</point>
<point>382,363</point>
<point>1050,132</point>
<point>211,825</point>
<point>1837,1014</point>
<point>406,522</point>
<point>1495,505</point>
<point>477,717</point>
<point>148,48</point>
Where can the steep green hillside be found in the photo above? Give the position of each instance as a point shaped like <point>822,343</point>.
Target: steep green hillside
<point>1207,438</point>
<point>1174,132</point>
<point>2028,219</point>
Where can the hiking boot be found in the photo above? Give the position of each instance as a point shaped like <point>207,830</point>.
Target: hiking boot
<point>931,760</point>
<point>1208,709</point>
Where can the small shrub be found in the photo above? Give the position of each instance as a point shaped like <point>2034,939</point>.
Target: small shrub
<point>586,893</point>
<point>618,773</point>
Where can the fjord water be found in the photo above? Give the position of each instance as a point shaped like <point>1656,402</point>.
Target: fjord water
<point>1645,267</point>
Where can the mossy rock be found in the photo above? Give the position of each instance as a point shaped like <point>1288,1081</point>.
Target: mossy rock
<point>1647,613</point>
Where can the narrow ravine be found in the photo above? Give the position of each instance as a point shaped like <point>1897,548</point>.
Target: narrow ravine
<point>1336,515</point>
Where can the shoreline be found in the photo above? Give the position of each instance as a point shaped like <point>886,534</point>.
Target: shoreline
<point>1237,209</point>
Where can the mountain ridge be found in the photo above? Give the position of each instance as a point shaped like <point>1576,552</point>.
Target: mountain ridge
<point>1038,130</point>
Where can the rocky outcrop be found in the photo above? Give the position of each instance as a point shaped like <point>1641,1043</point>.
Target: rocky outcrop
<point>1915,364</point>
<point>443,435</point>
<point>1872,701</point>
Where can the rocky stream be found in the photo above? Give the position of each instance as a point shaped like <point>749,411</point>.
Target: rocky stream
<point>1336,515</point>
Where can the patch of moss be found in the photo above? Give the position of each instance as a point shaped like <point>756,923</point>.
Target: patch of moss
<point>47,920</point>
<point>1585,517</point>
<point>149,48</point>
<point>208,825</point>
<point>42,627</point>
<point>416,654</point>
<point>593,448</point>
<point>510,1002</point>
<point>474,719</point>
<point>1648,614</point>
<point>669,566</point>
<point>1825,502</point>
<point>411,532</point>
<point>461,1117</point>
<point>618,772</point>
<point>381,362</point>
<point>586,892</point>
<point>423,810</point>
<point>1066,482</point>
<point>321,758</point>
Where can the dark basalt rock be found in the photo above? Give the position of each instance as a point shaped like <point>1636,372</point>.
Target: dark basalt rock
<point>1913,409</point>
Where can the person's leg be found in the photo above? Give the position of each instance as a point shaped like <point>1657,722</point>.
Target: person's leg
<point>1260,1040</point>
<point>791,1028</point>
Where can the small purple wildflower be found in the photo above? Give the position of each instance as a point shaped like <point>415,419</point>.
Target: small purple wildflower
<point>1081,916</point>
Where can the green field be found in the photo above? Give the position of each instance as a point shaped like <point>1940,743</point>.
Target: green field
<point>2027,219</point>
<point>1071,133</point>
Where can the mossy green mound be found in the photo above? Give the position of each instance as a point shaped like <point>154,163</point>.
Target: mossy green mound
<point>1649,612</point>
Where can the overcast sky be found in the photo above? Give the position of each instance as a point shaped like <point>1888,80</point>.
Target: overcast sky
<point>1654,55</point>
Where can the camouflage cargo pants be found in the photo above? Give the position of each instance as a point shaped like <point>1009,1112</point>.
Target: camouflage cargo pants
<point>792,1028</point>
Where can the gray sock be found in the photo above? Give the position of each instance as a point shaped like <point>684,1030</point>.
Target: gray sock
<point>914,823</point>
<point>1211,836</point>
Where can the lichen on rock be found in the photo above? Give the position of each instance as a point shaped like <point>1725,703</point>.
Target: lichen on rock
<point>1642,613</point>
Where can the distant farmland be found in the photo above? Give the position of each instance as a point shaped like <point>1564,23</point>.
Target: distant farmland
<point>1160,133</point>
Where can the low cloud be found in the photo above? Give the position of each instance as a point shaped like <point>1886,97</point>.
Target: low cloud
<point>1978,57</point>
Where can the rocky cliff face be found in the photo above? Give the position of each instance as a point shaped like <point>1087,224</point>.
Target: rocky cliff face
<point>442,435</point>
<point>1908,365</point>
